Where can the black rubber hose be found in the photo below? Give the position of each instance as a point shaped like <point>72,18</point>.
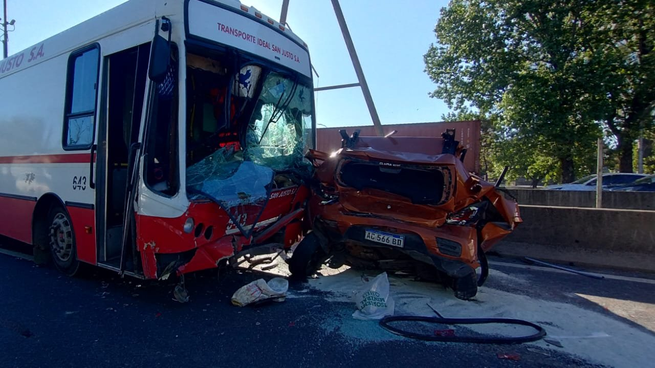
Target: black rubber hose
<point>541,333</point>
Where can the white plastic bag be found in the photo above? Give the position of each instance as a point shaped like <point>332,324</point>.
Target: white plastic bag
<point>374,302</point>
<point>260,290</point>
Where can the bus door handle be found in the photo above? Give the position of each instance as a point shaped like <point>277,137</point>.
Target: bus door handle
<point>92,183</point>
<point>131,162</point>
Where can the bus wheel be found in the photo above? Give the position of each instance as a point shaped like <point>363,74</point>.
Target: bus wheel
<point>62,241</point>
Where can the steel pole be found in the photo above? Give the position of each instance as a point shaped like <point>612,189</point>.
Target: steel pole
<point>358,67</point>
<point>5,42</point>
<point>599,175</point>
<point>340,86</point>
<point>640,155</point>
<point>285,10</point>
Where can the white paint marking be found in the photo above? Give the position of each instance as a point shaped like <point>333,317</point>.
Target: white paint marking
<point>545,269</point>
<point>593,335</point>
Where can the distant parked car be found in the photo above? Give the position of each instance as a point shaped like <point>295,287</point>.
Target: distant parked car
<point>646,184</point>
<point>588,183</point>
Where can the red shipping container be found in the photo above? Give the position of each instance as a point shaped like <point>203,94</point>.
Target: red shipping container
<point>467,133</point>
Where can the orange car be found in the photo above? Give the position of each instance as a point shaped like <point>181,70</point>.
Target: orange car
<point>404,204</point>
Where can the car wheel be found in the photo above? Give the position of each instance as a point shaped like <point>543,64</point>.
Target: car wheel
<point>466,287</point>
<point>307,256</point>
<point>62,241</point>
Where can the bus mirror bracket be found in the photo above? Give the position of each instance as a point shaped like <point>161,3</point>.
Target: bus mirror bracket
<point>160,52</point>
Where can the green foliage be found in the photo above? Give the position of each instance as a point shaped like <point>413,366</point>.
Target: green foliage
<point>624,59</point>
<point>540,72</point>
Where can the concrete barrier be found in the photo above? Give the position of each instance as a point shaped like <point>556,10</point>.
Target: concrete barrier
<point>602,237</point>
<point>619,200</point>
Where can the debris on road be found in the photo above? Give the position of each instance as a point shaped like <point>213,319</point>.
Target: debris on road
<point>554,343</point>
<point>259,290</point>
<point>180,294</point>
<point>509,356</point>
<point>374,302</point>
<point>538,351</point>
<point>387,323</point>
<point>447,332</point>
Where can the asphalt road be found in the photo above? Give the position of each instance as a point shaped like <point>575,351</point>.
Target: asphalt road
<point>100,320</point>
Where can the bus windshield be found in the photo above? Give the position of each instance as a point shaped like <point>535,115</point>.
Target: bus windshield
<point>244,127</point>
<point>280,127</point>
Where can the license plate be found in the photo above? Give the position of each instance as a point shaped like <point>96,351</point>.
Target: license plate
<point>385,238</point>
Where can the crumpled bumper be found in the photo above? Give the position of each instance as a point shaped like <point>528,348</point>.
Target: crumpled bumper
<point>450,249</point>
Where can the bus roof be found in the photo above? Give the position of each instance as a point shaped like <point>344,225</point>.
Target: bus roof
<point>128,15</point>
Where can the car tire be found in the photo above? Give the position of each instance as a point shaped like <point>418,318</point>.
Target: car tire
<point>466,287</point>
<point>62,241</point>
<point>307,256</point>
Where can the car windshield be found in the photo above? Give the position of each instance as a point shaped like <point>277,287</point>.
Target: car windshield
<point>642,181</point>
<point>584,180</point>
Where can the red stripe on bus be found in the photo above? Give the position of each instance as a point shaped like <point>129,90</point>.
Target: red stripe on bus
<point>74,158</point>
<point>16,215</point>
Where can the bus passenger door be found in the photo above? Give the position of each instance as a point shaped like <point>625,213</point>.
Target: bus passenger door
<point>126,77</point>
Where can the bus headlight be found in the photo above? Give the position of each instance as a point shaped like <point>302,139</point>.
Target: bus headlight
<point>188,225</point>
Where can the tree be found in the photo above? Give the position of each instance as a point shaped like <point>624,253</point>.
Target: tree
<point>533,65</point>
<point>624,63</point>
<point>487,163</point>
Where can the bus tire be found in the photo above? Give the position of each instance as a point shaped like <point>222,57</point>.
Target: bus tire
<point>62,241</point>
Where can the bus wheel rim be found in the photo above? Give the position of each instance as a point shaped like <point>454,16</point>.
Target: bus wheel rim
<point>61,237</point>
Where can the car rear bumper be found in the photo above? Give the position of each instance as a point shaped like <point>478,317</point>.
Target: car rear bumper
<point>451,249</point>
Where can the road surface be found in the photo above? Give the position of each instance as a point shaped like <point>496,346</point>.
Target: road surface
<point>100,320</point>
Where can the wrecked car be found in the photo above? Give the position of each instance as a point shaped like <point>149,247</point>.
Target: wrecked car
<point>404,204</point>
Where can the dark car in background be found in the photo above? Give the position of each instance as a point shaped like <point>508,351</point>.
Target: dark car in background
<point>645,184</point>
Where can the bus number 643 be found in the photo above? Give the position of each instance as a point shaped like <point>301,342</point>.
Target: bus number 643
<point>79,183</point>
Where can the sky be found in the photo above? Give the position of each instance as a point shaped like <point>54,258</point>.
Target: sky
<point>390,37</point>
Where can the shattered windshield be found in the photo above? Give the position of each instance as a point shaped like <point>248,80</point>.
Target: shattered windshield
<point>279,128</point>
<point>277,134</point>
<point>244,129</point>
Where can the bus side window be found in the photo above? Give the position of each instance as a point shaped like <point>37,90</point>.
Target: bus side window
<point>161,165</point>
<point>81,95</point>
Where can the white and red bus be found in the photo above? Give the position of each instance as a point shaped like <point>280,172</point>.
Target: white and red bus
<point>160,137</point>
